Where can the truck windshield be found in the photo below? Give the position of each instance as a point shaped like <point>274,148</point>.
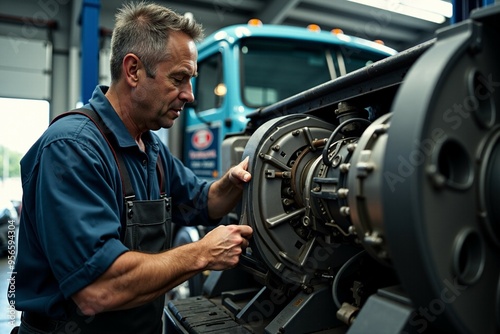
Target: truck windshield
<point>275,69</point>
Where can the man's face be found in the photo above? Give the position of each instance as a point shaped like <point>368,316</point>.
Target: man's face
<point>161,99</point>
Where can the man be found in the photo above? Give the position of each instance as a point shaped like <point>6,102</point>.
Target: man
<point>90,261</point>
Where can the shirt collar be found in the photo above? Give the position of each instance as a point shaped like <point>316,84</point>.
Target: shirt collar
<point>101,105</point>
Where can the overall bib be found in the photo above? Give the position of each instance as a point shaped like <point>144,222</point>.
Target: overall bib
<point>148,229</point>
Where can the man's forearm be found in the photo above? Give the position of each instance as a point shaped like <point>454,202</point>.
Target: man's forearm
<point>137,278</point>
<point>223,196</point>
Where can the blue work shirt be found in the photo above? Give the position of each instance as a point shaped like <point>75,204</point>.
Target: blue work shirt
<point>72,215</point>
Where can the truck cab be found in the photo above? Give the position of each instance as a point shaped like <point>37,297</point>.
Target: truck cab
<point>245,67</point>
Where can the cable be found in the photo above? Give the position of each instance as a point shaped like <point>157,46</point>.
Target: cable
<point>334,134</point>
<point>339,274</point>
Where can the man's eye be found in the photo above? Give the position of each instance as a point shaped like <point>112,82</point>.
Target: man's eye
<point>177,81</point>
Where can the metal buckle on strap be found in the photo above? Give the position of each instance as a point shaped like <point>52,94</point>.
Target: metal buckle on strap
<point>129,202</point>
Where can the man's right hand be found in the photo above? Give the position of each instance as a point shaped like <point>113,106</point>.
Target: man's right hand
<point>224,245</point>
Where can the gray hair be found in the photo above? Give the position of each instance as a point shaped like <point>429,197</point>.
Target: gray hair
<point>143,29</point>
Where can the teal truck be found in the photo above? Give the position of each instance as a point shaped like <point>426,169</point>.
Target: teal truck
<point>245,67</point>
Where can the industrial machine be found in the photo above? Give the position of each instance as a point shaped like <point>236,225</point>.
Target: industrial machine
<point>374,201</point>
<point>244,67</point>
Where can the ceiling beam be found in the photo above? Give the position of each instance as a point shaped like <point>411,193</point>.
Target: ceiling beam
<point>276,11</point>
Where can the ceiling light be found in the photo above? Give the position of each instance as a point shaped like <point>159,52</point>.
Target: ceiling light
<point>416,9</point>
<point>434,6</point>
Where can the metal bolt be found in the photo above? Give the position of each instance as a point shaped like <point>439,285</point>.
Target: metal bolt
<point>344,168</point>
<point>345,210</point>
<point>306,221</point>
<point>342,192</point>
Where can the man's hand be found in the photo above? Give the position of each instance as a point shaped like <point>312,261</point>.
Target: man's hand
<point>224,245</point>
<point>239,174</point>
<point>226,192</point>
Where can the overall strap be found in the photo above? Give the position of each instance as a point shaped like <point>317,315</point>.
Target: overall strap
<point>128,191</point>
<point>161,177</point>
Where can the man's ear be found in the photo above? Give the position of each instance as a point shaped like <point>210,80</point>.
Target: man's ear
<point>131,66</point>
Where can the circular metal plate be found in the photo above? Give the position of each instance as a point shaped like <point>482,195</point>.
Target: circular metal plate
<point>291,248</point>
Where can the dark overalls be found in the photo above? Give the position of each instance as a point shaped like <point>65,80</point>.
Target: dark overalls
<point>148,229</point>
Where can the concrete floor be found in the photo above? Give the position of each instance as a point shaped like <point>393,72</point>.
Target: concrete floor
<point>7,317</point>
